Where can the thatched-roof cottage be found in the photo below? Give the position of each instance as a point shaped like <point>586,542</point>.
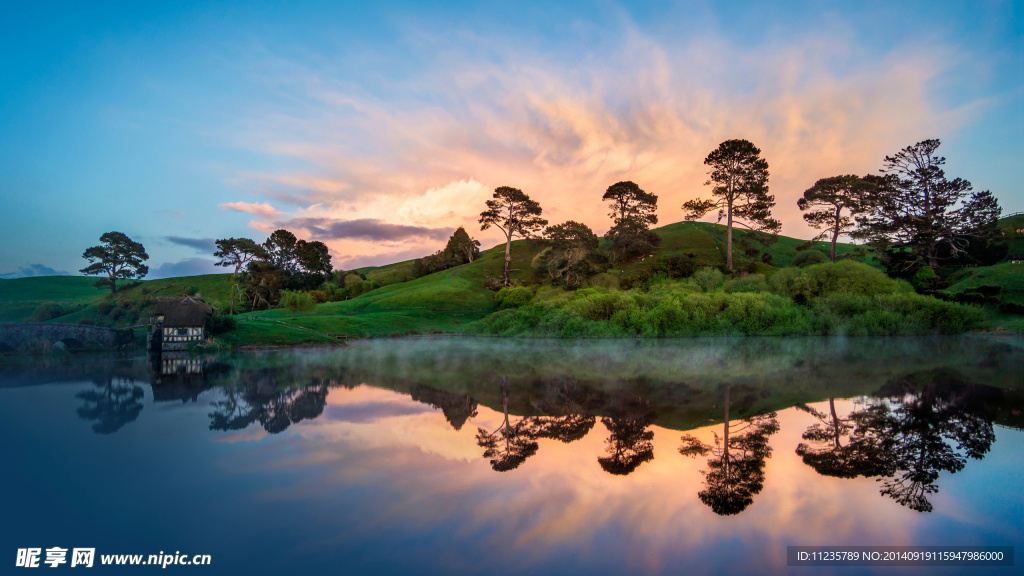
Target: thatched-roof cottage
<point>177,322</point>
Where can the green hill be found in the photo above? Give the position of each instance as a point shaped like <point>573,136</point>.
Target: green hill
<point>445,301</point>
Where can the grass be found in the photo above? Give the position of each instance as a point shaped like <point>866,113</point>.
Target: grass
<point>1006,275</point>
<point>66,289</point>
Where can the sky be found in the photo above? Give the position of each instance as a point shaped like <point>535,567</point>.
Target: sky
<point>380,127</point>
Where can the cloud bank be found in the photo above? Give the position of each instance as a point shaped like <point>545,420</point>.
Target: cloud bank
<point>388,172</point>
<point>34,270</point>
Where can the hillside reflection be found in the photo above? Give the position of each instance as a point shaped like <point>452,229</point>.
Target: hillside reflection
<point>901,412</point>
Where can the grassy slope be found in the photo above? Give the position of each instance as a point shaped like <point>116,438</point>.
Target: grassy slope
<point>1014,239</point>
<point>444,301</point>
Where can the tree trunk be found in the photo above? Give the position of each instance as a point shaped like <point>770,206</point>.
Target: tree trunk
<point>835,236</point>
<point>835,420</point>
<point>113,282</point>
<point>728,241</point>
<point>725,444</point>
<point>508,256</point>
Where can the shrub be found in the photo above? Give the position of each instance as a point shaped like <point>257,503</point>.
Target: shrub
<point>603,280</point>
<point>679,266</point>
<point>843,277</point>
<point>220,323</point>
<point>751,283</point>
<point>926,281</point>
<point>970,298</point>
<point>319,296</point>
<point>809,258</point>
<point>636,279</point>
<point>48,311</point>
<point>513,297</point>
<point>104,308</point>
<point>708,279</point>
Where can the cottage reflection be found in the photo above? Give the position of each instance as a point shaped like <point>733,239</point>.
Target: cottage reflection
<point>735,470</point>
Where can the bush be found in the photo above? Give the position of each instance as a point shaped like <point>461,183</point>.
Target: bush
<point>104,308</point>
<point>708,279</point>
<point>751,283</point>
<point>48,311</point>
<point>926,281</point>
<point>809,258</point>
<point>319,296</point>
<point>220,323</point>
<point>843,277</point>
<point>513,297</point>
<point>636,279</point>
<point>679,266</point>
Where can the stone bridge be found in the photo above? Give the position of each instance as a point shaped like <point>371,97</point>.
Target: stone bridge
<point>15,335</point>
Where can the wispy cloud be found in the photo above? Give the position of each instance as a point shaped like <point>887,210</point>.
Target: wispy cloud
<point>263,209</point>
<point>204,245</point>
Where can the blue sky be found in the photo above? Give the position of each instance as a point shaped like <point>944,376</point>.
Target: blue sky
<point>380,127</point>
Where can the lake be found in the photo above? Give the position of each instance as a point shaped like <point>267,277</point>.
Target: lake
<point>489,456</point>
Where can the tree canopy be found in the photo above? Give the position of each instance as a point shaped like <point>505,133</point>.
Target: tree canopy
<point>633,212</point>
<point>917,210</point>
<point>238,252</point>
<point>739,185</point>
<point>824,204</point>
<point>118,257</point>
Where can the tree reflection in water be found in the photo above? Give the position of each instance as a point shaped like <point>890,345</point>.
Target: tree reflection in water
<point>735,470</point>
<point>629,444</point>
<point>260,400</point>
<point>115,403</point>
<point>512,443</point>
<point>912,429</point>
<point>457,408</point>
<point>833,449</point>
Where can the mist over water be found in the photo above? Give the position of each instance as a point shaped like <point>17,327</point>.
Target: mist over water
<point>431,455</point>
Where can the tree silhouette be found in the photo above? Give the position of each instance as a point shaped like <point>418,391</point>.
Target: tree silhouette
<point>237,252</point>
<point>633,212</point>
<point>515,214</point>
<point>916,209</point>
<point>574,253</point>
<point>827,200</point>
<point>739,179</point>
<point>512,443</point>
<point>926,424</point>
<point>629,444</point>
<point>112,406</point>
<point>118,257</point>
<point>735,468</point>
<point>833,449</point>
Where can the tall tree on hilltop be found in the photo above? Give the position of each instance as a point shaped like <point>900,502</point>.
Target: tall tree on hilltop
<point>515,214</point>
<point>827,200</point>
<point>238,252</point>
<point>917,209</point>
<point>118,257</point>
<point>633,212</point>
<point>739,180</point>
<point>280,247</point>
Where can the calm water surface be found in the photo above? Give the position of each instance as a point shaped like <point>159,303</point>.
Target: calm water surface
<point>431,456</point>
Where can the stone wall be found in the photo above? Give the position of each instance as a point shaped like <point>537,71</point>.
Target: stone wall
<point>14,334</point>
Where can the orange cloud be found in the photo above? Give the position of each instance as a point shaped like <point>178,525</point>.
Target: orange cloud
<point>647,111</point>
